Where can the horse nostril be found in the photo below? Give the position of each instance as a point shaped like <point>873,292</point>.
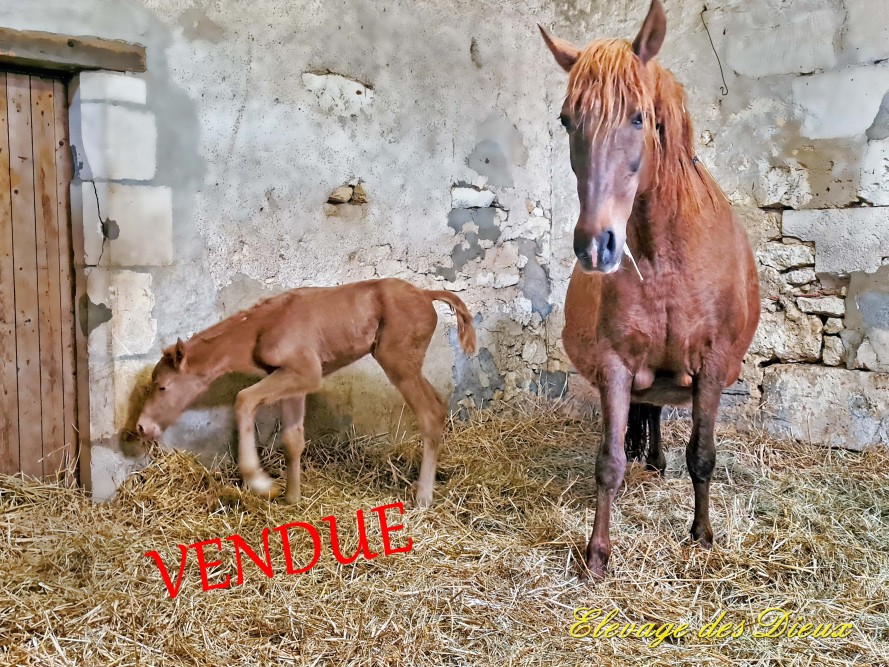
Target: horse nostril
<point>140,429</point>
<point>607,247</point>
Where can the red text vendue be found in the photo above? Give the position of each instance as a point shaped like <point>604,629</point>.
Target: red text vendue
<point>205,551</point>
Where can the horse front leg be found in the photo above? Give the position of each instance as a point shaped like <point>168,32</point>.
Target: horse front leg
<point>700,455</point>
<point>611,462</point>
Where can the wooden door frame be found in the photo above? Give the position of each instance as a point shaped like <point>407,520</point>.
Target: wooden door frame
<point>63,57</point>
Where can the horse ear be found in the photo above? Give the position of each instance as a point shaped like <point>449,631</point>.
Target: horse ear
<point>179,355</point>
<point>566,54</point>
<point>651,37</point>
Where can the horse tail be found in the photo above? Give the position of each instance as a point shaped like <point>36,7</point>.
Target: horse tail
<point>465,330</point>
<point>643,431</point>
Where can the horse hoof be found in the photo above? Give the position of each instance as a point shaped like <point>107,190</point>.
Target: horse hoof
<point>596,561</point>
<point>660,467</point>
<point>702,536</point>
<point>291,498</point>
<point>594,571</point>
<point>263,486</point>
<point>424,502</point>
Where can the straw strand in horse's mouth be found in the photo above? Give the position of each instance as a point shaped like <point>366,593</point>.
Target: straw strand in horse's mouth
<point>632,259</point>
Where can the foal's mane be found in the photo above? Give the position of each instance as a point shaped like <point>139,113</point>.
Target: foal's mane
<point>231,323</point>
<point>610,80</point>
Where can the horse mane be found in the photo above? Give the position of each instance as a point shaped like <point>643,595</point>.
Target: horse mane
<point>234,321</point>
<point>610,80</point>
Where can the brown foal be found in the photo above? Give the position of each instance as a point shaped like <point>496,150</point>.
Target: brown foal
<point>297,338</point>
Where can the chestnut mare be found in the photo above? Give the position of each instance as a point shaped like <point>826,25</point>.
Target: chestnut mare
<point>676,331</point>
<point>295,339</point>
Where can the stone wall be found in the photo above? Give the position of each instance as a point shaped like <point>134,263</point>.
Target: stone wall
<point>276,143</point>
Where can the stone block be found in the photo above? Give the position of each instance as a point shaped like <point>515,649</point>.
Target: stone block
<point>128,295</point>
<point>866,35</point>
<point>822,305</point>
<point>830,406</point>
<point>873,183</point>
<point>846,240</point>
<point>111,87</point>
<point>873,352</point>
<point>761,225</point>
<point>118,143</point>
<point>833,326</point>
<point>140,227</point>
<point>843,103</point>
<point>785,185</point>
<point>114,385</point>
<point>800,277</point>
<point>785,339</point>
<point>792,44</point>
<point>834,352</point>
<point>783,256</point>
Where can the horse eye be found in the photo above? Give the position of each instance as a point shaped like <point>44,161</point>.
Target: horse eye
<point>566,122</point>
<point>637,120</point>
<point>161,388</point>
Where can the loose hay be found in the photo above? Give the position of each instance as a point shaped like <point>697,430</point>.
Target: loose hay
<point>492,577</point>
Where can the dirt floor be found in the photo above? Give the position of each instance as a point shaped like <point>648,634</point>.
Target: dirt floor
<point>492,574</point>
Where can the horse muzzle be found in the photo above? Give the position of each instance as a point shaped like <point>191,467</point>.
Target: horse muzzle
<point>602,254</point>
<point>147,429</point>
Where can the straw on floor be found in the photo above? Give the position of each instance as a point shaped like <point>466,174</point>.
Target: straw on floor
<point>492,576</point>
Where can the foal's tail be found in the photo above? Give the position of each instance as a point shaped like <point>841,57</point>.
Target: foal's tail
<point>465,330</point>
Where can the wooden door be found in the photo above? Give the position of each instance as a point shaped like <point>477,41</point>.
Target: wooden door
<point>38,349</point>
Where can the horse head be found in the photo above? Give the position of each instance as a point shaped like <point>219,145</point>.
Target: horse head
<point>609,114</point>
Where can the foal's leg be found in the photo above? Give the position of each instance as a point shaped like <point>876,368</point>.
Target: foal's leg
<point>611,463</point>
<point>400,351</point>
<point>700,455</point>
<point>293,411</point>
<point>282,383</point>
<point>431,413</point>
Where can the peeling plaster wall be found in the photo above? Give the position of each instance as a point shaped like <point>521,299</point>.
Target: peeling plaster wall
<point>229,171</point>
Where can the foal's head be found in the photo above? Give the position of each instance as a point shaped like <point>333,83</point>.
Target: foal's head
<point>609,113</point>
<point>173,388</point>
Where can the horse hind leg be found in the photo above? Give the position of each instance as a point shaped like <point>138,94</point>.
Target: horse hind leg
<point>655,459</point>
<point>293,411</point>
<point>636,438</point>
<point>400,352</point>
<point>643,436</point>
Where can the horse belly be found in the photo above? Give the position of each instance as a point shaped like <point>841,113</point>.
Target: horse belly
<point>664,391</point>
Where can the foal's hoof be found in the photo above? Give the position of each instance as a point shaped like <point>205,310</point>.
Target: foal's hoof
<point>291,498</point>
<point>264,487</point>
<point>423,502</point>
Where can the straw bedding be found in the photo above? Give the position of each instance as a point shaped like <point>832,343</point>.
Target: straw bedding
<point>492,576</point>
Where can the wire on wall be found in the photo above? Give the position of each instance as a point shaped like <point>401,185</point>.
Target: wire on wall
<point>724,88</point>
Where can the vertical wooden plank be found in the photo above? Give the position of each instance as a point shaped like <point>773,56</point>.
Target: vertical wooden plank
<point>74,265</point>
<point>21,177</point>
<point>9,405</point>
<point>48,286</point>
